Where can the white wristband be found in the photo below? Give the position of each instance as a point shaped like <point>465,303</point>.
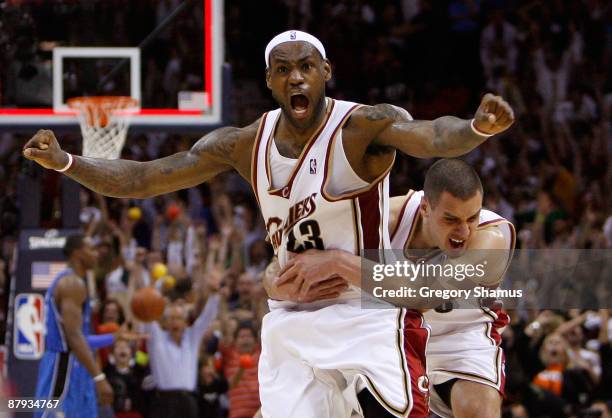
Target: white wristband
<point>70,159</point>
<point>477,132</point>
<point>99,378</point>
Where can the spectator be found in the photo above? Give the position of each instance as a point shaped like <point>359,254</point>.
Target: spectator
<point>126,377</point>
<point>240,363</point>
<point>211,388</point>
<point>173,352</point>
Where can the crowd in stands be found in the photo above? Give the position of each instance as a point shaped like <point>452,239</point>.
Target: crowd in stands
<point>550,175</point>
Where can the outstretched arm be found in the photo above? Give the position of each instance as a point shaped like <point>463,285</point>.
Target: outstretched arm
<point>447,136</point>
<point>216,152</point>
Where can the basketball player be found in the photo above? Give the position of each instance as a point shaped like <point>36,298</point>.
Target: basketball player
<point>319,169</point>
<point>68,370</point>
<point>465,363</point>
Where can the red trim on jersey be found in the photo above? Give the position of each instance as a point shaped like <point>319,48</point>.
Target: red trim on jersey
<point>501,321</point>
<point>401,214</point>
<point>285,191</point>
<point>415,343</point>
<point>255,155</point>
<point>492,221</point>
<point>502,384</point>
<point>369,218</point>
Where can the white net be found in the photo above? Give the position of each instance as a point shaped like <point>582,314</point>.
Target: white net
<point>104,123</point>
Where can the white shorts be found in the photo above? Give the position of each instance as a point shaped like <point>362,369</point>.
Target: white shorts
<point>314,362</point>
<point>468,355</point>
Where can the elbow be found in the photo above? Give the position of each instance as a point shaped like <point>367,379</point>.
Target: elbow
<point>73,338</point>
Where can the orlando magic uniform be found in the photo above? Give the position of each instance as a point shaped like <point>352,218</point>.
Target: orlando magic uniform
<point>464,343</point>
<point>60,375</point>
<point>316,357</point>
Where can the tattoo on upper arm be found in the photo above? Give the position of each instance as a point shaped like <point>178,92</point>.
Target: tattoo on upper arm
<point>220,144</point>
<point>177,162</point>
<point>381,112</point>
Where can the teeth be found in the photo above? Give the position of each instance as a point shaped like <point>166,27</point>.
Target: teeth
<point>456,241</point>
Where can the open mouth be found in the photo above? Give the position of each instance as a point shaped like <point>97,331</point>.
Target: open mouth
<point>456,244</point>
<point>299,105</point>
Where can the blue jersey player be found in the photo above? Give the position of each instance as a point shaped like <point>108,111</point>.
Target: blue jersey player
<point>68,370</point>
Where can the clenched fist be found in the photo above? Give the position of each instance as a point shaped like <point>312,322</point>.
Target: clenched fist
<point>494,115</point>
<point>45,150</point>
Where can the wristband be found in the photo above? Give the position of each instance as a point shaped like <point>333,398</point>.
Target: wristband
<point>70,161</point>
<point>477,132</point>
<point>99,378</point>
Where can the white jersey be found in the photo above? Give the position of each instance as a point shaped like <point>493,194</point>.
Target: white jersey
<point>464,343</point>
<point>303,213</point>
<point>455,320</point>
<point>309,365</point>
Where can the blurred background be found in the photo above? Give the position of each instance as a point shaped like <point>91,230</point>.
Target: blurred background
<point>550,174</point>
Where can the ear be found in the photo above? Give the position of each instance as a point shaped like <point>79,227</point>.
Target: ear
<point>268,82</point>
<point>424,207</point>
<point>327,69</point>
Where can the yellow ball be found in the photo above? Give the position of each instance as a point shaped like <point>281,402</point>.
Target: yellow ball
<point>134,213</point>
<point>169,282</point>
<point>159,270</point>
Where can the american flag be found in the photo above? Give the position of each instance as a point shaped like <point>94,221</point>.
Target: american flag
<point>43,273</point>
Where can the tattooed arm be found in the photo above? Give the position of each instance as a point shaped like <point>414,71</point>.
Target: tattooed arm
<point>447,136</point>
<point>219,151</point>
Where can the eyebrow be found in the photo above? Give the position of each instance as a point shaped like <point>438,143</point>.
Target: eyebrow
<point>450,215</point>
<point>285,61</point>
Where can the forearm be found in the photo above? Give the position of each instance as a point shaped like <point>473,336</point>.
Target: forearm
<point>454,137</point>
<point>78,345</point>
<point>100,341</point>
<point>114,178</point>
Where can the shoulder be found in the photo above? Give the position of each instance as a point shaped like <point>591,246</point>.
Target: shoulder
<point>489,238</point>
<point>227,141</point>
<point>71,286</point>
<point>379,114</point>
<point>396,205</point>
<point>395,208</point>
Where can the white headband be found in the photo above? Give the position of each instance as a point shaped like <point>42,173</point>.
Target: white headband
<point>293,36</point>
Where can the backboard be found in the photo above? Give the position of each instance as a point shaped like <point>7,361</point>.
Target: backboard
<point>168,54</point>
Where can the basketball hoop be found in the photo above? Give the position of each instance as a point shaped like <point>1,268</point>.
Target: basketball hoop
<point>104,123</point>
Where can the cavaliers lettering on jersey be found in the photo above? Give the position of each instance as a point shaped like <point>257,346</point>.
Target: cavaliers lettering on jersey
<point>302,214</point>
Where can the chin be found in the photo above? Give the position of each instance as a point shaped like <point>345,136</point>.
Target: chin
<point>454,252</point>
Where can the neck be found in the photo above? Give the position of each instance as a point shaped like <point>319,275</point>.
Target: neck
<point>422,239</point>
<point>78,268</point>
<point>299,135</point>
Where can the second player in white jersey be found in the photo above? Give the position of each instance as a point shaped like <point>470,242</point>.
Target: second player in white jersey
<point>464,343</point>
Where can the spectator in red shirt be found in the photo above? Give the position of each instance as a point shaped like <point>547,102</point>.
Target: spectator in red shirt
<point>240,361</point>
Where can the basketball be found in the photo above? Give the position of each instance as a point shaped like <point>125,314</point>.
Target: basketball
<point>147,304</point>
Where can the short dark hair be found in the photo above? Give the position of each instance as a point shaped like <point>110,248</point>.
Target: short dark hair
<point>453,176</point>
<point>73,242</point>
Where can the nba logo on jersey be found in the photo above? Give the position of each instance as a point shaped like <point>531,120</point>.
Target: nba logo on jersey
<point>29,326</point>
<point>313,166</point>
